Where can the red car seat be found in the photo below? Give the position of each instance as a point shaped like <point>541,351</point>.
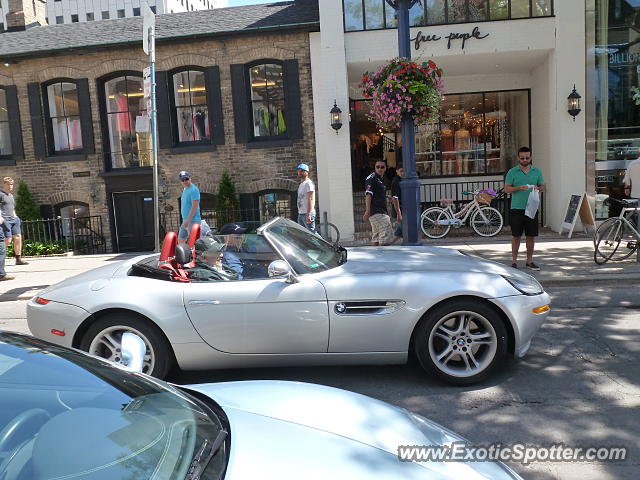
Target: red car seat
<point>194,235</point>
<point>168,260</point>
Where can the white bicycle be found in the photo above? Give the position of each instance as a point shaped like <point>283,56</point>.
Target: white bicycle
<point>486,221</point>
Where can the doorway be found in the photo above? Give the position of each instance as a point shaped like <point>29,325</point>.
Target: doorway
<point>133,219</point>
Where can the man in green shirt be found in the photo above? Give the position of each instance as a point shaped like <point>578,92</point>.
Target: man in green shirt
<point>519,182</point>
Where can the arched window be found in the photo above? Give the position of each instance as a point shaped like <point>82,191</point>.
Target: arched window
<point>267,100</point>
<point>5,128</point>
<point>62,117</point>
<point>189,105</point>
<point>74,216</point>
<point>125,119</point>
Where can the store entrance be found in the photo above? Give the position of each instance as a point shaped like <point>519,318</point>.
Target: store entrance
<point>133,218</point>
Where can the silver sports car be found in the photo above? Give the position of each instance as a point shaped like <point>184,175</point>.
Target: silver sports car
<point>300,301</point>
<point>65,415</point>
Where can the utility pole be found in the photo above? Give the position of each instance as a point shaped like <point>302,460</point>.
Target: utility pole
<point>410,184</point>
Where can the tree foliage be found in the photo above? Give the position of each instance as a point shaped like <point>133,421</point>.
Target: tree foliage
<point>26,206</point>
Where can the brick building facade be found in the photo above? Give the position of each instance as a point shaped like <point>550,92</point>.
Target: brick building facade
<point>93,175</point>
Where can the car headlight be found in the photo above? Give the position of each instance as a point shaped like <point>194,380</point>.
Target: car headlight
<point>525,284</point>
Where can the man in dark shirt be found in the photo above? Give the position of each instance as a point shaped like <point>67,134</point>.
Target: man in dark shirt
<point>376,206</point>
<point>396,198</point>
<point>209,265</point>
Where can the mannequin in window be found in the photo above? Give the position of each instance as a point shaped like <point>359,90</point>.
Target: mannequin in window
<point>200,121</point>
<point>447,148</point>
<point>463,147</point>
<point>185,124</point>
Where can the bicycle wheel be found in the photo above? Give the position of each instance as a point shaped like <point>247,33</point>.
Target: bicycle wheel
<point>628,244</point>
<point>430,222</point>
<point>328,231</point>
<point>487,221</point>
<point>608,237</point>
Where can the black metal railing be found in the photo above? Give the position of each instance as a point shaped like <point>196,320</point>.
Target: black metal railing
<point>432,194</point>
<point>248,218</point>
<point>82,235</point>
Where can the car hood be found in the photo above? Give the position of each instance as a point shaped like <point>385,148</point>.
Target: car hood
<point>298,425</point>
<point>412,259</point>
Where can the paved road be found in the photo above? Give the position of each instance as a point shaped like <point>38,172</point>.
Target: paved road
<point>579,385</point>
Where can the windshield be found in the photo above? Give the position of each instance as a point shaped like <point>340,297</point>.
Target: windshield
<point>305,251</point>
<point>68,415</point>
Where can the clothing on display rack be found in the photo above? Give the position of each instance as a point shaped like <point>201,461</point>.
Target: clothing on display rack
<point>447,141</point>
<point>463,150</point>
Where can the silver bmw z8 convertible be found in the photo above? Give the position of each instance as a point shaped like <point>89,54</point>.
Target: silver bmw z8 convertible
<point>299,300</point>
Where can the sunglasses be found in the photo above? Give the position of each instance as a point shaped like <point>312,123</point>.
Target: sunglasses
<point>380,168</point>
<point>184,179</point>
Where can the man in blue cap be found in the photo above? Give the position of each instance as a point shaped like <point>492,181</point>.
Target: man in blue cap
<point>189,205</point>
<point>306,199</point>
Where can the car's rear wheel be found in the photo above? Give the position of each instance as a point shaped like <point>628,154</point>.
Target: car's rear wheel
<point>461,342</point>
<point>104,339</point>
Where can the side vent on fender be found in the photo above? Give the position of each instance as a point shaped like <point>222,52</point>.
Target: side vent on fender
<point>368,307</point>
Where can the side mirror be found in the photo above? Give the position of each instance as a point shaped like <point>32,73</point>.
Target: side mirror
<point>280,268</point>
<point>133,351</point>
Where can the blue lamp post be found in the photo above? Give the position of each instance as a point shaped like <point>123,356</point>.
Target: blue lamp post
<point>410,185</point>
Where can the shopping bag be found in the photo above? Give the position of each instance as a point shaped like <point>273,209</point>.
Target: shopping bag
<point>532,203</point>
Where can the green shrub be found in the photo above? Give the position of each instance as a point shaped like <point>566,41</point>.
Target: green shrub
<point>30,249</point>
<point>227,200</point>
<point>26,207</point>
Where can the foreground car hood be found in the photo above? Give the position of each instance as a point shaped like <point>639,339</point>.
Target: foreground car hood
<point>295,428</point>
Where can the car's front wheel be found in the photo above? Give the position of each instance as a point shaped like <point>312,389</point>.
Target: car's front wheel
<point>461,342</point>
<point>104,339</point>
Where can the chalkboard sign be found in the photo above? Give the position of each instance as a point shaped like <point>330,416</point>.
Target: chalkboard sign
<point>578,205</point>
<point>572,209</point>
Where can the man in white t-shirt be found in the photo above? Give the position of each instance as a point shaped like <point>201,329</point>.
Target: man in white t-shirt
<point>306,199</point>
<point>632,179</point>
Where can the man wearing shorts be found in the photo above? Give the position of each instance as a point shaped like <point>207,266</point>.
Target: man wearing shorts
<point>9,221</point>
<point>376,207</point>
<point>519,182</point>
<point>189,206</point>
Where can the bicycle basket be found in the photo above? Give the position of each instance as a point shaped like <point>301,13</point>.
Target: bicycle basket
<point>484,198</point>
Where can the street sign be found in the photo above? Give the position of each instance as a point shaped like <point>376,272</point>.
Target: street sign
<point>148,27</point>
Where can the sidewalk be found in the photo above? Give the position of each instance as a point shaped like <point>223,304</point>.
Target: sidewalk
<point>44,271</point>
<point>562,261</point>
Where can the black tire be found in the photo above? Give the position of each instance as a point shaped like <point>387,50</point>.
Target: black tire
<point>159,357</point>
<point>607,240</point>
<point>458,350</point>
<point>490,225</point>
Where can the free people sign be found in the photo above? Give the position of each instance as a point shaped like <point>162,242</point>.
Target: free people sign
<point>464,37</point>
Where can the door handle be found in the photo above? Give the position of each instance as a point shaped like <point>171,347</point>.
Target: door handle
<point>204,302</point>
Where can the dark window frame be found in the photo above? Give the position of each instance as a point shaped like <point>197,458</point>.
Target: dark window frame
<point>425,15</point>
<point>174,109</point>
<point>48,124</point>
<point>15,127</point>
<point>248,66</point>
<point>104,119</point>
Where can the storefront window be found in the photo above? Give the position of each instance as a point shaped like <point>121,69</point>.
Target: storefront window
<point>129,128</point>
<point>63,117</point>
<point>477,134</point>
<point>191,115</point>
<point>267,100</point>
<point>614,127</point>
<point>377,14</point>
<point>5,133</point>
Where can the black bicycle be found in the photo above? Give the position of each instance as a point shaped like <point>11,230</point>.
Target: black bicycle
<point>617,236</point>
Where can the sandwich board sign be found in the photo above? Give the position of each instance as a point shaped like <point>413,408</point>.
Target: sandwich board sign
<point>578,206</point>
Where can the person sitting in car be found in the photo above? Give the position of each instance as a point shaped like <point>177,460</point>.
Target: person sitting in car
<point>209,265</point>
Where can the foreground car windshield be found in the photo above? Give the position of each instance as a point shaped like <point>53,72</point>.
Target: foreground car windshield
<point>66,415</point>
<point>305,252</point>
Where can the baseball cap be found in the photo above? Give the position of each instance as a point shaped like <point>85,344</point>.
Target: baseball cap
<point>303,166</point>
<point>208,244</point>
<point>231,229</point>
<point>183,175</point>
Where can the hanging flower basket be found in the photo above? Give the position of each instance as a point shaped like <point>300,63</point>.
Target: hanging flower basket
<point>402,86</point>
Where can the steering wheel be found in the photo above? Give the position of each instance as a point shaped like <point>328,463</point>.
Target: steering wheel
<point>22,427</point>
